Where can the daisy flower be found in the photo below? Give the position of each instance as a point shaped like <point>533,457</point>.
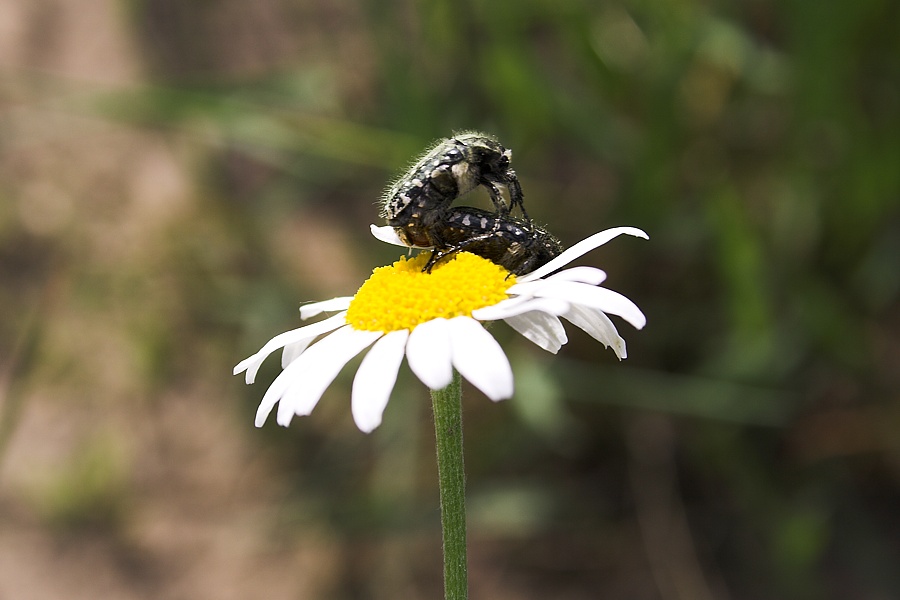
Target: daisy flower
<point>436,321</point>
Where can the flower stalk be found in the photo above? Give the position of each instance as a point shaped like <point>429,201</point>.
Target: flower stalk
<point>447,403</point>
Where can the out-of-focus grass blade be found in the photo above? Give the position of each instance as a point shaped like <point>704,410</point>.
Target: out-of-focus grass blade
<point>644,389</point>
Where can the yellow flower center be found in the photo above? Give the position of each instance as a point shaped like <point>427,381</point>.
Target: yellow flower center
<point>401,296</point>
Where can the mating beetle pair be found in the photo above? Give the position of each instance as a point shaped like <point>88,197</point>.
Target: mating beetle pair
<point>418,206</point>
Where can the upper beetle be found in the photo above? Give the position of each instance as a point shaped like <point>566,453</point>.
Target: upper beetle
<point>418,203</point>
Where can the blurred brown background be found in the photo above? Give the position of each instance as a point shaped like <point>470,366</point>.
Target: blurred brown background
<point>177,177</point>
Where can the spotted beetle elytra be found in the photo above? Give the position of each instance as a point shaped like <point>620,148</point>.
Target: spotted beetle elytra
<point>517,245</point>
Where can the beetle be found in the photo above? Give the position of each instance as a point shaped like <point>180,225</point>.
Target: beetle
<point>517,245</point>
<point>418,203</point>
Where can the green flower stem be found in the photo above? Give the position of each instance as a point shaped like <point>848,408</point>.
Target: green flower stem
<point>452,482</point>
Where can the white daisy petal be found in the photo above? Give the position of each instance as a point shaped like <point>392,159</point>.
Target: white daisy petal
<point>291,351</point>
<point>543,329</point>
<point>480,359</point>
<point>596,324</point>
<point>428,353</point>
<point>506,308</point>
<point>308,332</point>
<point>615,303</point>
<point>604,299</point>
<point>276,391</point>
<point>588,275</point>
<point>585,275</point>
<point>318,367</point>
<point>501,309</point>
<point>582,247</point>
<point>386,234</point>
<point>375,380</point>
<point>314,308</point>
<point>389,235</point>
<point>525,290</point>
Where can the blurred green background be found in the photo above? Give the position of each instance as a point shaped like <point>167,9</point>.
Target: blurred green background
<point>177,177</point>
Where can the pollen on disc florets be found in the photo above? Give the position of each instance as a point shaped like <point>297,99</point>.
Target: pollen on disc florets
<point>402,296</point>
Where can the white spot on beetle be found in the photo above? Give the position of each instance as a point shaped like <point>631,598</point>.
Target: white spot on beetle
<point>465,175</point>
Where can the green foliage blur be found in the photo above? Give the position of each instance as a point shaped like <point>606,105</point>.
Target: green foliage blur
<point>161,222</point>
